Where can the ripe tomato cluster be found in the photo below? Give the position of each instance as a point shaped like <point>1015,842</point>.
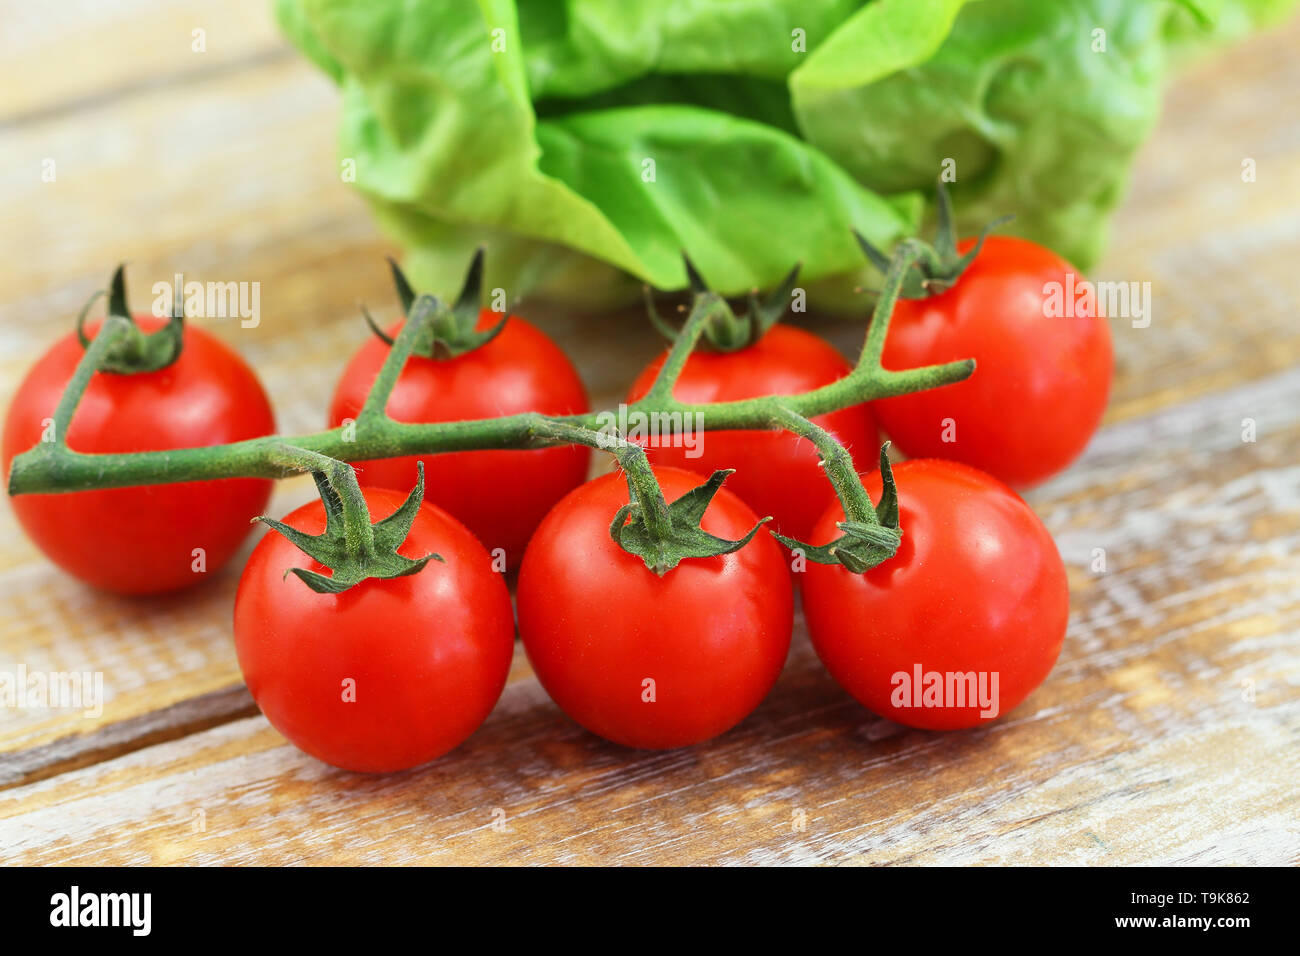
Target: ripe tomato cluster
<point>396,671</point>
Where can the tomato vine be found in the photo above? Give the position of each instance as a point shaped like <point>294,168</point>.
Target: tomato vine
<point>647,526</point>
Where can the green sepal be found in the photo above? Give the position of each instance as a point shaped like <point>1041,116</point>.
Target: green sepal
<point>725,331</point>
<point>350,561</point>
<point>685,538</point>
<point>866,543</point>
<point>451,330</point>
<point>887,507</point>
<point>938,267</point>
<point>136,351</point>
<point>664,328</point>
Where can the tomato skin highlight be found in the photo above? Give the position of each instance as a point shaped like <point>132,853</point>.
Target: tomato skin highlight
<point>1040,383</point>
<point>977,586</point>
<point>429,652</point>
<point>140,540</point>
<point>777,473</point>
<point>712,633</point>
<point>499,495</point>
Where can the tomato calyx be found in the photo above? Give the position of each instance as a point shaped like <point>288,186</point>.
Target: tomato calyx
<point>723,329</point>
<point>660,534</point>
<point>871,533</point>
<point>663,534</point>
<point>133,350</point>
<point>938,266</point>
<point>351,546</point>
<point>450,330</point>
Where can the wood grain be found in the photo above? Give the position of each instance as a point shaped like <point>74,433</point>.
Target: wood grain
<point>1167,732</point>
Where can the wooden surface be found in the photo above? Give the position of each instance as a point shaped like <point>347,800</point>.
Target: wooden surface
<point>1169,731</point>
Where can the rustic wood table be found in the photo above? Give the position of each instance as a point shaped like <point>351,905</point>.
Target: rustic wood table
<point>1169,731</point>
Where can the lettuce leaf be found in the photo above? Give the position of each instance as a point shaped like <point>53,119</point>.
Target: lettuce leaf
<point>589,142</point>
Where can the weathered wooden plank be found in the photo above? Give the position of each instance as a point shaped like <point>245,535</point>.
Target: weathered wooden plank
<point>1218,251</point>
<point>80,56</point>
<point>150,654</point>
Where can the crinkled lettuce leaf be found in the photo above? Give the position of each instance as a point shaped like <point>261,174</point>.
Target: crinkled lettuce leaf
<point>590,142</point>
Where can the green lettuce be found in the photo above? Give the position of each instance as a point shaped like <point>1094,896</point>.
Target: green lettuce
<point>589,143</point>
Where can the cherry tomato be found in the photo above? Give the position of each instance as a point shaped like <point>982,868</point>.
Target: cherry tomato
<point>648,661</point>
<point>499,495</point>
<point>1040,382</point>
<point>143,540</point>
<point>390,673</point>
<point>777,474</point>
<point>977,588</point>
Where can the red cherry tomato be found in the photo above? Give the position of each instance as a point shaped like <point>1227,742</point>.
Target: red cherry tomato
<point>648,661</point>
<point>390,673</point>
<point>777,474</point>
<point>143,540</point>
<point>977,588</point>
<point>1040,382</point>
<point>499,495</point>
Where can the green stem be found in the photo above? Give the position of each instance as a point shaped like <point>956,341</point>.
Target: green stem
<point>682,347</point>
<point>377,400</point>
<point>636,466</point>
<point>874,346</point>
<point>113,329</point>
<point>342,479</point>
<point>54,468</point>
<point>836,460</point>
